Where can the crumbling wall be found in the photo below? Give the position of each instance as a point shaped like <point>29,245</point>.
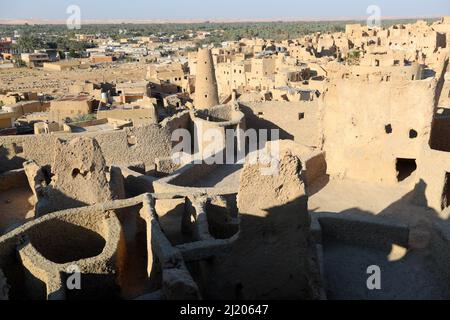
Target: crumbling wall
<point>131,145</point>
<point>181,120</point>
<point>78,177</point>
<point>39,257</point>
<point>184,178</point>
<point>167,259</point>
<point>176,281</point>
<point>313,161</point>
<point>273,258</point>
<point>367,125</point>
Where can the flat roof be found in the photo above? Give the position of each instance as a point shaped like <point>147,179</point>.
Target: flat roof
<point>6,115</point>
<point>74,98</point>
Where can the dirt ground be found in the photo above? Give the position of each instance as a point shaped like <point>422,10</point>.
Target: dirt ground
<point>56,83</point>
<point>394,203</point>
<point>16,205</point>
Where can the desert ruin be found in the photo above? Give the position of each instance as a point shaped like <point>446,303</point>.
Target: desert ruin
<point>89,182</point>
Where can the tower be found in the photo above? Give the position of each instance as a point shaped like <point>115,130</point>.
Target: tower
<point>206,92</point>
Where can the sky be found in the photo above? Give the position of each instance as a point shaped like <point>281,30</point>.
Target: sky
<point>219,9</point>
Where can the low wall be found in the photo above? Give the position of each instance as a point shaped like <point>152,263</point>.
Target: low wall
<point>131,145</point>
<point>37,268</point>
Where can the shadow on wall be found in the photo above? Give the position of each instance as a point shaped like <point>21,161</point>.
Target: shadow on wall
<point>135,281</point>
<point>254,122</point>
<point>440,126</point>
<point>243,274</point>
<point>58,202</point>
<point>174,217</point>
<point>413,257</point>
<point>272,259</point>
<point>10,158</point>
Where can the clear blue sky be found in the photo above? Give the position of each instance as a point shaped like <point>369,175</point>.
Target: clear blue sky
<point>218,9</point>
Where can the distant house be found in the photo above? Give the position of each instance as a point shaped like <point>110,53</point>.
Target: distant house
<point>35,59</point>
<point>6,120</point>
<point>102,59</point>
<point>5,46</point>
<point>69,107</point>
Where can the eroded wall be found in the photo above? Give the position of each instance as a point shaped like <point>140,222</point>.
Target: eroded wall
<point>367,125</point>
<point>131,145</point>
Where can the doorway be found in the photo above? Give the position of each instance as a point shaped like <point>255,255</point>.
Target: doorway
<point>405,168</point>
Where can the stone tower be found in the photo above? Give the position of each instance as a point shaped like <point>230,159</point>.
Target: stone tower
<point>206,93</point>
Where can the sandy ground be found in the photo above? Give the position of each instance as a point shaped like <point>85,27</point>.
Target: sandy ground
<point>57,83</point>
<point>393,203</point>
<point>16,205</point>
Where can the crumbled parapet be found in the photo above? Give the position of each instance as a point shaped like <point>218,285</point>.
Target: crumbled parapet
<point>79,169</point>
<point>166,166</point>
<point>4,288</point>
<point>170,260</point>
<point>37,177</point>
<point>78,177</point>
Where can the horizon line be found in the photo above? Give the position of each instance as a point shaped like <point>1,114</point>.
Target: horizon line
<point>38,21</point>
